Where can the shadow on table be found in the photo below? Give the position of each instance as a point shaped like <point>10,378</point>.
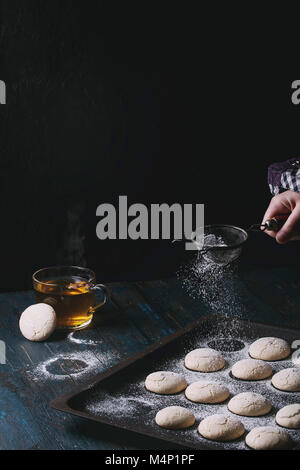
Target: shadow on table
<point>107,437</point>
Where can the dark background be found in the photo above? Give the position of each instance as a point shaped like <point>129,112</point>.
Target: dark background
<point>160,105</point>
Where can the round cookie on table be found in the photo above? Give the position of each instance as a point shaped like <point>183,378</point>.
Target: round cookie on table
<point>175,417</point>
<point>287,380</point>
<point>270,349</point>
<point>268,438</point>
<point>289,416</point>
<point>206,391</point>
<point>221,427</point>
<point>249,404</point>
<point>165,382</point>
<point>38,322</point>
<point>204,360</point>
<point>251,369</point>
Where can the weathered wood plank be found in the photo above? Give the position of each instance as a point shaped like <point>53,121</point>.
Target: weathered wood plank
<point>169,298</point>
<point>140,313</point>
<point>277,292</point>
<point>146,319</point>
<point>110,338</point>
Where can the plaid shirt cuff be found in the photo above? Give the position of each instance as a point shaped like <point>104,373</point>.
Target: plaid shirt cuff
<point>284,175</point>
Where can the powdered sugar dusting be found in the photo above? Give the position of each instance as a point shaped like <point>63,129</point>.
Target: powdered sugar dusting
<point>88,342</point>
<point>64,365</point>
<point>215,284</point>
<point>79,364</point>
<point>132,403</point>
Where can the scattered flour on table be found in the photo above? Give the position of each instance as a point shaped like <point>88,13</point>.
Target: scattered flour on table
<point>88,342</point>
<point>63,366</point>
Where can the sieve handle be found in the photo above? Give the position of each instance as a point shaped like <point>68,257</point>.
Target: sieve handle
<point>275,223</point>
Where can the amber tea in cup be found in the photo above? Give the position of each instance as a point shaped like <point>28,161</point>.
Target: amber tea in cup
<point>70,290</point>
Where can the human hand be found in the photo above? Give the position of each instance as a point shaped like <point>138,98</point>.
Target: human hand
<point>285,203</point>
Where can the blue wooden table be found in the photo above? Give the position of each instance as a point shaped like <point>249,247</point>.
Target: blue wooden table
<point>138,315</point>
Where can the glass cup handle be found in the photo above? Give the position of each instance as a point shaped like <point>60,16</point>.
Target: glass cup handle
<point>105,293</point>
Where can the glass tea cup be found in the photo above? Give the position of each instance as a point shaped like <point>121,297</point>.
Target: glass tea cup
<point>70,290</point>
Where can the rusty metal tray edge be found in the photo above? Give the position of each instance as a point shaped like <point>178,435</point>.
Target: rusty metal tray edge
<point>61,403</point>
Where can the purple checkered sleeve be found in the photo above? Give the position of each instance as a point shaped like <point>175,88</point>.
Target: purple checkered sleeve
<point>284,175</point>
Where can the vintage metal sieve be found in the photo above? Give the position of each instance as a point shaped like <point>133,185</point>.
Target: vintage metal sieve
<point>232,239</point>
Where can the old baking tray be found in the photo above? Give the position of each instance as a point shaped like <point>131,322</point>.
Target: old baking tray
<point>118,397</point>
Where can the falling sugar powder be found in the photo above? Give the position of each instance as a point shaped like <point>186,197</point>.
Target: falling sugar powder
<point>216,284</point>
